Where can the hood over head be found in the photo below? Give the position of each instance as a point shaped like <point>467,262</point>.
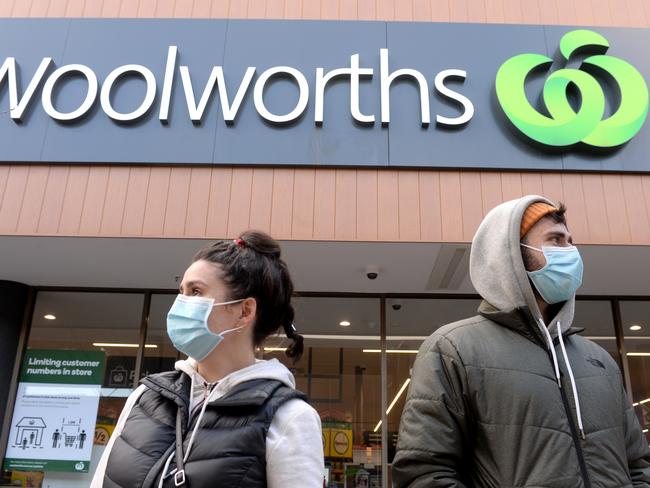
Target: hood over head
<point>497,268</point>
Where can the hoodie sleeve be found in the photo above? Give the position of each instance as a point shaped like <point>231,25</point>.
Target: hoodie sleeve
<point>434,427</point>
<point>636,447</point>
<point>294,447</point>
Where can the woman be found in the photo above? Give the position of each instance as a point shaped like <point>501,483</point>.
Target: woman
<point>222,419</point>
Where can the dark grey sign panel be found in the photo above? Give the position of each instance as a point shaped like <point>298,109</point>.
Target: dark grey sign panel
<point>246,126</point>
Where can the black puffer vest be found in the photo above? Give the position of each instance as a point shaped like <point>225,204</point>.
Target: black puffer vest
<point>229,448</point>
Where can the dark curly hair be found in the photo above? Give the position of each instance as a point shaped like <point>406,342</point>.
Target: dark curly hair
<point>252,266</point>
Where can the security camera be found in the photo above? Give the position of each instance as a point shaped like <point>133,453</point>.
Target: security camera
<point>397,305</point>
<point>372,272</point>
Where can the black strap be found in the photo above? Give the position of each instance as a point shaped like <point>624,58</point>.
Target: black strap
<point>179,475</point>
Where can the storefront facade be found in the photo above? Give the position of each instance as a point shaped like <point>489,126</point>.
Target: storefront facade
<point>105,195</point>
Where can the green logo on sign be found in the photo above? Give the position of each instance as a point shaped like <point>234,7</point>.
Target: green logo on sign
<point>565,126</point>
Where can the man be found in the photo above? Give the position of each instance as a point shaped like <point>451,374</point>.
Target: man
<point>514,397</point>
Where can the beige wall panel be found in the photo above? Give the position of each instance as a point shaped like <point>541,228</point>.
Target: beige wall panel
<point>430,220</point>
<point>48,222</point>
<point>616,210</point>
<point>325,204</point>
<point>282,203</point>
<point>409,205</point>
<point>12,200</point>
<point>118,181</point>
<point>30,210</point>
<point>74,8</point>
<point>136,201</point>
<point>94,200</point>
<point>73,200</point>
<point>471,203</point>
<point>240,201</point>
<point>531,183</point>
<point>366,208</point>
<point>177,202</point>
<point>595,209</point>
<point>198,201</point>
<point>574,199</point>
<point>262,199</point>
<point>345,227</point>
<point>511,186</point>
<point>154,213</point>
<point>451,206</point>
<point>388,205</point>
<point>219,202</point>
<point>57,8</point>
<point>305,204</point>
<point>552,186</point>
<point>638,219</point>
<point>302,226</point>
<point>386,9</point>
<point>491,191</point>
<point>4,176</point>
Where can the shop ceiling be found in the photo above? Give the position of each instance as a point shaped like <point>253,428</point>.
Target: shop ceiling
<point>327,267</point>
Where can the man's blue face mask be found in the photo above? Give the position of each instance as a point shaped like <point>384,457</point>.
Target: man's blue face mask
<point>561,277</point>
<point>187,326</point>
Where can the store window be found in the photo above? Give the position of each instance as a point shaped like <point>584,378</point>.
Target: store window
<point>409,322</point>
<point>75,377</point>
<point>635,317</point>
<point>160,354</point>
<point>595,317</point>
<point>341,373</point>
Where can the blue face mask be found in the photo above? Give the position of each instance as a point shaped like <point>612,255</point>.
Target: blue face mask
<point>187,326</point>
<point>561,277</point>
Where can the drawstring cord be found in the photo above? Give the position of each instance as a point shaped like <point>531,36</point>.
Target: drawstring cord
<point>552,349</point>
<point>573,382</point>
<point>165,474</point>
<point>574,388</point>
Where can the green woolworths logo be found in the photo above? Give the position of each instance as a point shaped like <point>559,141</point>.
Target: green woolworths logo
<point>565,126</point>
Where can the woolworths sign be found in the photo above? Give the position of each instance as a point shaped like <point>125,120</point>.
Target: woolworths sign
<point>323,93</point>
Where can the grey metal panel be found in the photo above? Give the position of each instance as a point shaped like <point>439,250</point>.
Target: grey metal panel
<point>487,140</point>
<point>305,45</point>
<point>28,41</point>
<point>105,45</point>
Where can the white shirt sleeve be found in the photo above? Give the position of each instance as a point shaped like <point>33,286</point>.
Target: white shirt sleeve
<point>98,478</point>
<point>294,447</point>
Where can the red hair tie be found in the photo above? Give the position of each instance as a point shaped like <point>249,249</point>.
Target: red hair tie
<point>239,242</point>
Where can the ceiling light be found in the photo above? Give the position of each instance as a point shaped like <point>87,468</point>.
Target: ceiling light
<point>638,354</point>
<point>635,327</point>
<point>49,316</point>
<point>275,349</point>
<point>344,323</point>
<point>118,344</point>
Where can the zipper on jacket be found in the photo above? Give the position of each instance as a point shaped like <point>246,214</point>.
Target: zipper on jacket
<point>576,439</point>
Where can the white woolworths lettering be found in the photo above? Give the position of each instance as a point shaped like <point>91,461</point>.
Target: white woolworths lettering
<point>149,97</point>
<point>18,106</point>
<point>91,94</point>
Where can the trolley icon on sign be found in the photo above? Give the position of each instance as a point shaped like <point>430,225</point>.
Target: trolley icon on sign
<point>70,436</point>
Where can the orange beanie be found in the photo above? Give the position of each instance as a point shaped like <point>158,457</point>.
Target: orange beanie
<point>533,214</point>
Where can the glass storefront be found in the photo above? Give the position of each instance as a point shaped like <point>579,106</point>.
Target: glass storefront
<point>347,338</point>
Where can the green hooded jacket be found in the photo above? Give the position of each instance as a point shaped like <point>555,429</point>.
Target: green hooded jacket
<point>485,407</point>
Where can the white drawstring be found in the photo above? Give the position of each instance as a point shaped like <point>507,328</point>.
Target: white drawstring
<point>165,474</point>
<point>196,427</point>
<point>573,382</point>
<point>552,349</point>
